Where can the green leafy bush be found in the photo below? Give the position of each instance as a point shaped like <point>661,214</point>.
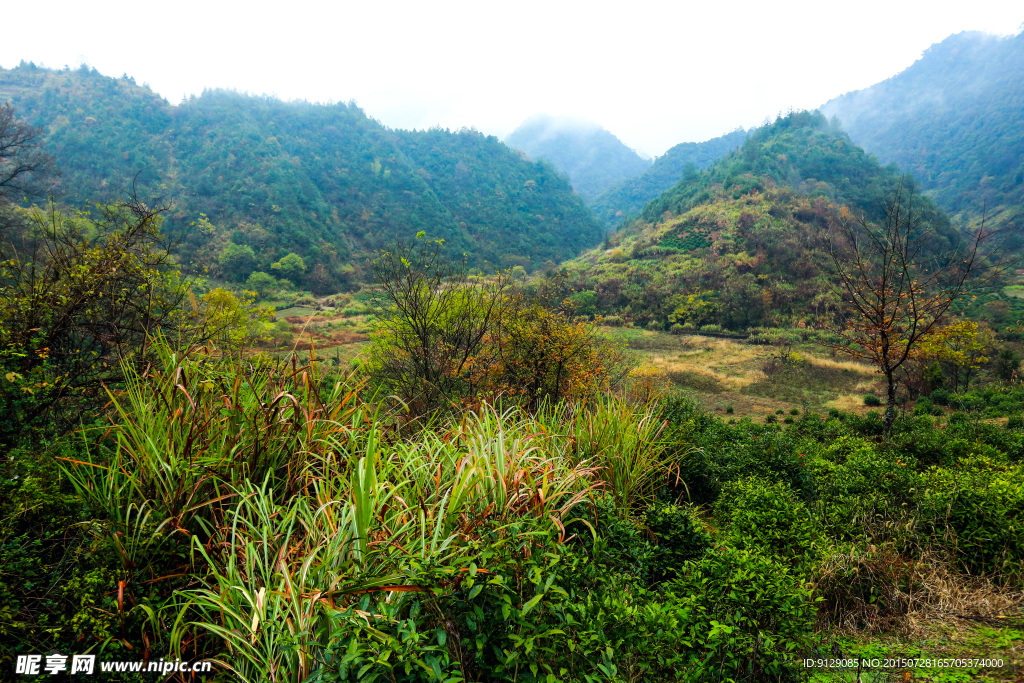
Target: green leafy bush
<point>750,616</point>
<point>761,515</point>
<point>982,504</point>
<point>679,535</point>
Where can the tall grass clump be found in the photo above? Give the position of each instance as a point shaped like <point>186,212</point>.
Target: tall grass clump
<point>280,512</point>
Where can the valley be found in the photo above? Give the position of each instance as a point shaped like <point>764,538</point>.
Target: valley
<point>308,397</point>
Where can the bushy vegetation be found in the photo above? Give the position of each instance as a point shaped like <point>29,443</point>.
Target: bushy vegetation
<point>271,518</point>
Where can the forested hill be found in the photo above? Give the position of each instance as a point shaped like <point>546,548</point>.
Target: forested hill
<point>252,179</point>
<point>955,118</point>
<point>806,152</point>
<point>628,197</point>
<point>740,244</point>
<point>593,158</point>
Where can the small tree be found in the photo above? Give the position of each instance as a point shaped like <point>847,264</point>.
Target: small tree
<point>447,338</point>
<point>291,267</point>
<point>262,283</point>
<point>427,349</point>
<point>898,284</point>
<point>959,349</point>
<point>79,296</point>
<point>549,353</point>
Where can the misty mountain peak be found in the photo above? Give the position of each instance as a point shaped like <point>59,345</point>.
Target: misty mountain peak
<point>593,158</point>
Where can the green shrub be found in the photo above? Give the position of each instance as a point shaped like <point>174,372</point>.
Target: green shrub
<point>766,516</point>
<point>872,400</point>
<point>729,410</point>
<point>679,535</point>
<point>941,397</point>
<point>923,406</point>
<point>749,617</point>
<point>1015,422</point>
<point>982,505</point>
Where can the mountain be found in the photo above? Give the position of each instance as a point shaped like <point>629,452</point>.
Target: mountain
<point>740,245</point>
<point>955,119</point>
<point>629,196</point>
<point>252,179</point>
<point>593,158</point>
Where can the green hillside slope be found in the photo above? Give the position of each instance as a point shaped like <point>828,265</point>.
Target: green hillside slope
<point>742,244</point>
<point>629,196</point>
<point>955,119</point>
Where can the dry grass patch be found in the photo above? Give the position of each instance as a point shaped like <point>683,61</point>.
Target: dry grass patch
<point>882,592</point>
<point>722,372</point>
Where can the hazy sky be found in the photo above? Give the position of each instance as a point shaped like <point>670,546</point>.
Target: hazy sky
<point>653,73</point>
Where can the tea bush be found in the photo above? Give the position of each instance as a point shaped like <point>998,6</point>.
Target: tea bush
<point>757,514</point>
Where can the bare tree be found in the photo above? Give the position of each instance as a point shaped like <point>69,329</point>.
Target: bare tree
<point>897,282</point>
<point>22,160</point>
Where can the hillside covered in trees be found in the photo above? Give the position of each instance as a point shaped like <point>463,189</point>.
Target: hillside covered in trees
<point>955,119</point>
<point>254,180</point>
<point>593,158</point>
<point>626,198</point>
<point>741,244</point>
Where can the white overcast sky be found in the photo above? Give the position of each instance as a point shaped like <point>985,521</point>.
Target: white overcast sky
<point>653,73</point>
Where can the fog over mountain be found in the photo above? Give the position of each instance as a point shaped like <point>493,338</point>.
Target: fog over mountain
<point>955,119</point>
<point>593,158</point>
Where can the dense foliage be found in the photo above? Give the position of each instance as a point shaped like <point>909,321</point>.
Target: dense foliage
<point>626,198</point>
<point>447,340</point>
<point>954,119</point>
<point>253,179</point>
<point>475,499</point>
<point>271,519</point>
<point>593,158</point>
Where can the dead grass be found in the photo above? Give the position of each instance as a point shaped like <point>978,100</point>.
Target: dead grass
<point>880,591</point>
<point>728,372</point>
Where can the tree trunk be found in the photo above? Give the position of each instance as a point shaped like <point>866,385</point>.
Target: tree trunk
<point>890,404</point>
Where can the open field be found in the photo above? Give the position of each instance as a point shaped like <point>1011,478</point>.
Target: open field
<point>755,380</point>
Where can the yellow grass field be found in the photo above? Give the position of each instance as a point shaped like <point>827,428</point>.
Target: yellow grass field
<point>720,373</point>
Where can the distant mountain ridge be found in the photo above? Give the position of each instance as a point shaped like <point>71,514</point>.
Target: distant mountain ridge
<point>262,177</point>
<point>955,119</point>
<point>628,197</point>
<point>593,158</point>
